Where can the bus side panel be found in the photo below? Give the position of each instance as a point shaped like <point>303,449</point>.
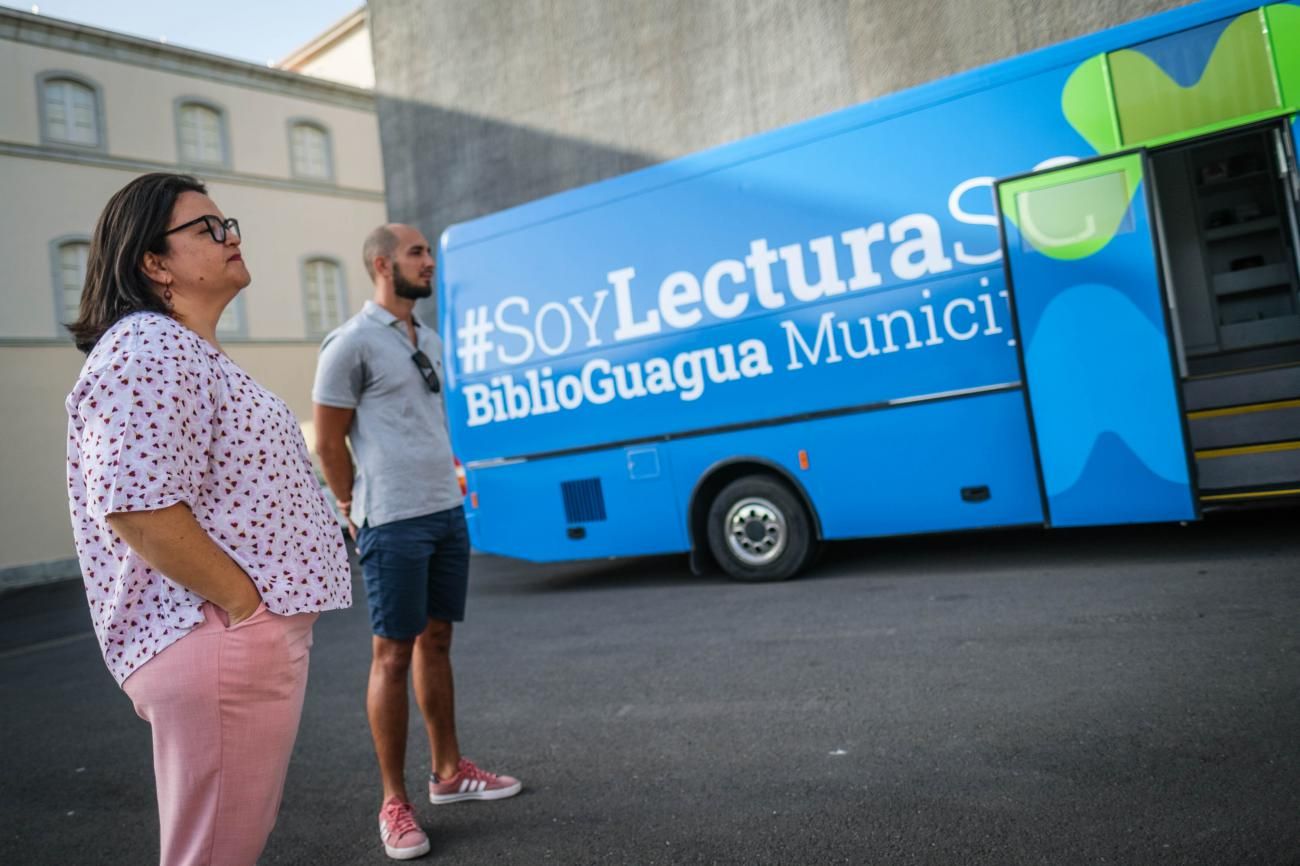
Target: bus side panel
<point>894,219</point>
<point>904,470</point>
<point>899,470</point>
<point>621,500</point>
<point>930,337</point>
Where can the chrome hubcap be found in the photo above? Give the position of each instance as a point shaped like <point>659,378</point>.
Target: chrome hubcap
<point>756,531</point>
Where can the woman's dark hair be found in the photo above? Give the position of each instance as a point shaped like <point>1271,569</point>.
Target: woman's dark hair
<point>131,225</point>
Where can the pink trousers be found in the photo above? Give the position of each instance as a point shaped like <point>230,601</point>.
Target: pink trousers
<point>224,704</point>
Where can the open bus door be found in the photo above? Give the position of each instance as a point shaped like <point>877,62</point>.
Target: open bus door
<point>1096,344</point>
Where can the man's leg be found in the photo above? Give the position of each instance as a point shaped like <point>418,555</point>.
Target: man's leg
<point>386,708</point>
<point>448,583</point>
<point>454,778</point>
<point>435,691</point>
<point>394,563</point>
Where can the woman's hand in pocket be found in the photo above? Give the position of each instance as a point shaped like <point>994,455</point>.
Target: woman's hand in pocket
<point>247,605</point>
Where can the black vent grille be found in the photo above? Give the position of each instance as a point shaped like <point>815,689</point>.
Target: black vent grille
<point>584,501</point>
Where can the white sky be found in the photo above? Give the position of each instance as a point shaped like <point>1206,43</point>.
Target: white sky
<point>252,30</point>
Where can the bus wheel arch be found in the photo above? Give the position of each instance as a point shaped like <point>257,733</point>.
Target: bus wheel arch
<point>722,475</point>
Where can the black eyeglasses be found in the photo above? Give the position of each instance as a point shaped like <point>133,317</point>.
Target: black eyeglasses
<point>426,370</point>
<point>213,225</point>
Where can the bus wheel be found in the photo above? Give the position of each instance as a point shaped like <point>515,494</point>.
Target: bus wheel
<point>758,530</point>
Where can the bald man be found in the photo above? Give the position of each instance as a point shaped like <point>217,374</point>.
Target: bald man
<point>379,389</point>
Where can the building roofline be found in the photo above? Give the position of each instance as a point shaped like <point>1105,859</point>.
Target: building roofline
<point>339,30</point>
<point>57,34</point>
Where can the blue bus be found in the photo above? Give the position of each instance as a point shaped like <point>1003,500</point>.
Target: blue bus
<point>1058,290</point>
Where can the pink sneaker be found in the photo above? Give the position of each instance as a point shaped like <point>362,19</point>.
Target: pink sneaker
<point>403,838</point>
<point>471,783</point>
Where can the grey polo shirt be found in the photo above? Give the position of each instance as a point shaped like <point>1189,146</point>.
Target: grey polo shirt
<point>399,437</point>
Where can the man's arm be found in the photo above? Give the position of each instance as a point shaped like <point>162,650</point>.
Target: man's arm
<point>332,425</point>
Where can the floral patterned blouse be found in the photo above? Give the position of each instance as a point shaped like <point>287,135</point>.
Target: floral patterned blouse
<point>159,416</point>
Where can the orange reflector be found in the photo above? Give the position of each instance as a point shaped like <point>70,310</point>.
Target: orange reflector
<point>803,459</point>
<point>460,476</point>
<point>473,499</point>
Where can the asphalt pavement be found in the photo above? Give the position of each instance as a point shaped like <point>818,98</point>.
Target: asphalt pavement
<point>1117,696</point>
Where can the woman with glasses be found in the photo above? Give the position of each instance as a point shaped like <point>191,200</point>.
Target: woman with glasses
<point>206,546</point>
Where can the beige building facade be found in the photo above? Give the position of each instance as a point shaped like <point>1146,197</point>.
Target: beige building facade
<point>341,53</point>
<point>82,112</point>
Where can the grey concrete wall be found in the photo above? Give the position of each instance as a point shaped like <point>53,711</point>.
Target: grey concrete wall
<point>485,104</point>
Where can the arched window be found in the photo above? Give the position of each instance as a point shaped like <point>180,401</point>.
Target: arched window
<point>323,296</point>
<point>201,133</point>
<point>70,110</point>
<point>309,149</point>
<point>69,263</point>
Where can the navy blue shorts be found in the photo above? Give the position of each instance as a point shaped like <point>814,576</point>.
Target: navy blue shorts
<point>415,570</point>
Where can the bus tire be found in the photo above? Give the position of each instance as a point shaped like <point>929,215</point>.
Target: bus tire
<point>759,531</point>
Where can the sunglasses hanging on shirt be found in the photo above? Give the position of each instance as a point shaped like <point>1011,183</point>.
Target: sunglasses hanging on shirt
<point>426,370</point>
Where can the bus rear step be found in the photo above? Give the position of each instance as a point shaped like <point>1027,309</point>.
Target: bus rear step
<point>1245,432</point>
